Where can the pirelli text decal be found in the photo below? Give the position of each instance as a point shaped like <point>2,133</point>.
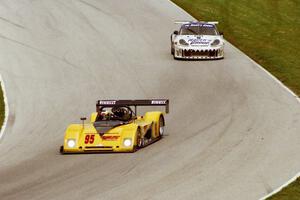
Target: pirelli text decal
<point>107,102</point>
<point>162,102</point>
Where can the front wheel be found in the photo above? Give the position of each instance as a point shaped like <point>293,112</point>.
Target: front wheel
<point>139,139</point>
<point>61,150</point>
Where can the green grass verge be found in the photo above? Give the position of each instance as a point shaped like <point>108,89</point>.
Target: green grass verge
<point>291,192</point>
<point>2,107</point>
<point>268,31</point>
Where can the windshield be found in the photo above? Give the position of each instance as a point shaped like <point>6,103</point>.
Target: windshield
<point>119,113</point>
<point>198,29</point>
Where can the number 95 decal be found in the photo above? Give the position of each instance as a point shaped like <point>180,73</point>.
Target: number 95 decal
<point>89,139</point>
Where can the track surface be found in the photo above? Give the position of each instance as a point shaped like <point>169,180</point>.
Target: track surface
<point>233,132</point>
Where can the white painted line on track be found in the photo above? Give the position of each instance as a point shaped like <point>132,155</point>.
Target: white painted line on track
<point>289,91</point>
<point>283,86</point>
<point>278,81</point>
<point>6,108</point>
<point>271,75</point>
<point>297,98</point>
<point>259,66</point>
<point>281,187</point>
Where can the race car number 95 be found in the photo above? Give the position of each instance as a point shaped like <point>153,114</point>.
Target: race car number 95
<point>89,139</point>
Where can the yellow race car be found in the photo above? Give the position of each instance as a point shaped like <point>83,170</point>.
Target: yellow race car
<point>115,127</point>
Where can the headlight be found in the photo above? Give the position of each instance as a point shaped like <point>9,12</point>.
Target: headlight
<point>71,143</point>
<point>215,42</point>
<point>127,142</point>
<point>183,42</point>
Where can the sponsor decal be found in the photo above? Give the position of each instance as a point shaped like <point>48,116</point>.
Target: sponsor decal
<point>158,102</point>
<point>199,41</point>
<point>111,138</point>
<point>208,25</point>
<point>201,25</point>
<point>107,102</point>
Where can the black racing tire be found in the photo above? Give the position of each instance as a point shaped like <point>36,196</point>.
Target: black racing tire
<point>161,128</point>
<point>139,139</point>
<point>61,150</point>
<point>172,48</point>
<point>134,149</point>
<point>139,142</point>
<point>175,58</point>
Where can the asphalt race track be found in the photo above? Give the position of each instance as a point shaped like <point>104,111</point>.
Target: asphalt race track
<point>232,131</point>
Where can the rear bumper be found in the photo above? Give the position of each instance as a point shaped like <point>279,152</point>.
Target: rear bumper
<point>199,53</point>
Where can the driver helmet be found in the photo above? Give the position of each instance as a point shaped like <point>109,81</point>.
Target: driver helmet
<point>105,114</point>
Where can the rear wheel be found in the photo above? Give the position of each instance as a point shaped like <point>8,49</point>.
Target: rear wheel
<point>161,126</point>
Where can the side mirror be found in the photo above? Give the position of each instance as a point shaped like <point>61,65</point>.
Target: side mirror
<point>83,119</point>
<point>176,32</point>
<point>221,33</point>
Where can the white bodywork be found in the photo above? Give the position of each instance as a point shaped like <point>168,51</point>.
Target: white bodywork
<point>197,46</point>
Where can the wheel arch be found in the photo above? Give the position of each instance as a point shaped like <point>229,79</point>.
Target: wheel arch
<point>155,117</point>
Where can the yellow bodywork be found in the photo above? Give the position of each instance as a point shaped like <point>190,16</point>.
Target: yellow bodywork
<point>86,138</point>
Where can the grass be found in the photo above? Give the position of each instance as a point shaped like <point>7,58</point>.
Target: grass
<point>268,31</point>
<point>2,107</point>
<point>291,192</point>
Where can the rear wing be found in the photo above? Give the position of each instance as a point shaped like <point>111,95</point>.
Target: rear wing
<point>188,22</point>
<point>135,103</point>
<point>184,22</point>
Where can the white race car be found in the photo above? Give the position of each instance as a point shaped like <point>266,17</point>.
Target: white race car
<point>197,40</point>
